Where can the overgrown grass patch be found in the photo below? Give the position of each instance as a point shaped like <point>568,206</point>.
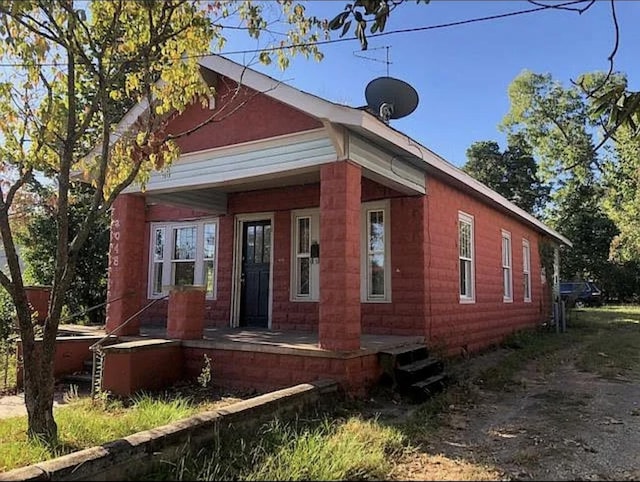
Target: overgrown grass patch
<point>605,339</point>
<point>321,449</point>
<point>86,423</point>
<point>612,350</point>
<point>524,347</point>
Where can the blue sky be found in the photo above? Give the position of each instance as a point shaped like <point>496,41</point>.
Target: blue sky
<point>462,73</point>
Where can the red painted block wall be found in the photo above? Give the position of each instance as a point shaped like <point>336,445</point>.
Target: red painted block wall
<point>145,368</point>
<point>270,371</point>
<point>457,326</point>
<point>260,117</point>
<point>71,352</point>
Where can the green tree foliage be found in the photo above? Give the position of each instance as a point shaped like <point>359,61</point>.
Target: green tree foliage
<point>74,67</point>
<point>589,195</point>
<point>371,15</point>
<point>512,173</point>
<point>622,201</point>
<point>38,246</point>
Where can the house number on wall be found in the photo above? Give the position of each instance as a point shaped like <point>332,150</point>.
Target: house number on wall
<point>115,243</point>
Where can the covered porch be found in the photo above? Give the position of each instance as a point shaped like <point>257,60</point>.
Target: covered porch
<point>329,308</point>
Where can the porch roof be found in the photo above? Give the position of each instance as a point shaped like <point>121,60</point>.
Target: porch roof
<point>336,117</point>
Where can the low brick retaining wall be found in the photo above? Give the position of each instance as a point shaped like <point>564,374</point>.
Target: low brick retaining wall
<point>133,456</point>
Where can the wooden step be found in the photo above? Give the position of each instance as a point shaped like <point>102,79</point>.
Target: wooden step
<point>422,390</point>
<point>403,355</point>
<point>418,370</point>
<point>78,378</point>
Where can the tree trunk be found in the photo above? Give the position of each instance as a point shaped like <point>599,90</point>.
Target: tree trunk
<point>39,401</point>
<point>38,385</point>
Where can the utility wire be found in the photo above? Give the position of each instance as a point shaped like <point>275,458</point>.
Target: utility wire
<point>350,39</point>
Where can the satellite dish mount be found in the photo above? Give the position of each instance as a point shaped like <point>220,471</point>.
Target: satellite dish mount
<point>390,98</point>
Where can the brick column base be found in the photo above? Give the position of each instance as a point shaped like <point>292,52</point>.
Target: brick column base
<point>185,316</point>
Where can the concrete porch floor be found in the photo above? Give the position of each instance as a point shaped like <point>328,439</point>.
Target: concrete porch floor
<point>262,340</point>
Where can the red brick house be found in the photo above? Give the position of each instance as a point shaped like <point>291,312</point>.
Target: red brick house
<point>320,235</point>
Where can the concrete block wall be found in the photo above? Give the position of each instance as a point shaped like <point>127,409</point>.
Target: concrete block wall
<point>458,326</point>
<point>269,371</point>
<point>137,455</point>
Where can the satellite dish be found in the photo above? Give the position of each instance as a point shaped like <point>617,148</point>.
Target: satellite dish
<point>391,98</point>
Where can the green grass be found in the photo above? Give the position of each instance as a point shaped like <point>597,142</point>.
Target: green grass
<point>347,444</point>
<point>87,423</point>
<point>604,340</point>
<point>611,349</point>
<point>324,449</point>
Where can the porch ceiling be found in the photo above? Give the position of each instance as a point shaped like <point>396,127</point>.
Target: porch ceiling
<point>213,198</point>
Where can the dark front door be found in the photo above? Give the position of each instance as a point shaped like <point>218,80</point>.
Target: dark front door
<point>256,267</point>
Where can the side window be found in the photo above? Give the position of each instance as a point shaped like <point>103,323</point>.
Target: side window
<point>305,268</point>
<point>376,262</point>
<point>526,269</point>
<point>465,258</point>
<point>507,275</point>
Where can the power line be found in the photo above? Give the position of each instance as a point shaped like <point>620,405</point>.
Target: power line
<point>350,39</point>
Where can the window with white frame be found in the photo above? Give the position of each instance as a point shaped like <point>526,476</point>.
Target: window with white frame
<point>183,254</point>
<point>465,257</point>
<point>305,269</point>
<point>376,262</point>
<point>526,269</point>
<point>507,276</point>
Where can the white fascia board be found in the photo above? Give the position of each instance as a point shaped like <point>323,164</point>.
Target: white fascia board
<point>405,142</point>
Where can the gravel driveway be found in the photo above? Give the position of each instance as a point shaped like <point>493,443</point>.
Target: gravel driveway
<point>563,425</point>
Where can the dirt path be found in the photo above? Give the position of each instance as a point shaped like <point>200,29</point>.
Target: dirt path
<point>563,425</point>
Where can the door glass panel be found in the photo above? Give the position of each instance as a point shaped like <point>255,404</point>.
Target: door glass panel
<point>259,245</point>
<point>266,257</point>
<point>251,240</point>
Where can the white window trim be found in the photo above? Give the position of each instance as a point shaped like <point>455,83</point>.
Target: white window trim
<point>364,252</point>
<point>509,267</point>
<point>167,262</point>
<point>314,268</point>
<point>467,218</point>
<point>526,269</point>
